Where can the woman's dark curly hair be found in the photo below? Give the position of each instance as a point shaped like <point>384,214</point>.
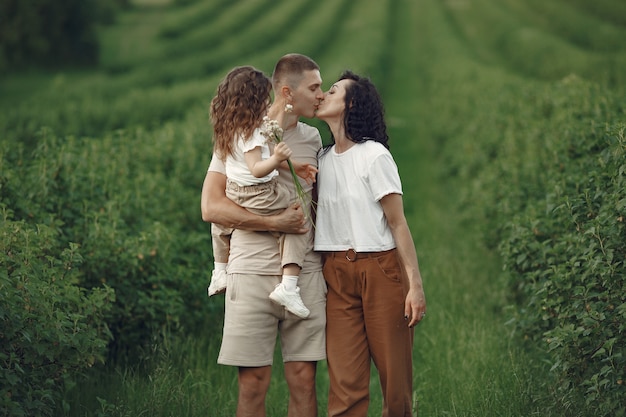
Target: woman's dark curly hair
<point>364,117</point>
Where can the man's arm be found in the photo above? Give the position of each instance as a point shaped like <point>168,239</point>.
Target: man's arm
<point>217,208</point>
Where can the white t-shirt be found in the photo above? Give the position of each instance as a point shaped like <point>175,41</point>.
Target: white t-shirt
<point>236,167</point>
<point>350,186</point>
<point>258,252</point>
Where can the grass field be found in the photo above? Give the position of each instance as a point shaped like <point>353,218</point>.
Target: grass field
<point>450,72</point>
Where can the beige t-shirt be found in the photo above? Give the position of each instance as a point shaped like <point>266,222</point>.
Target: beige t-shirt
<point>258,252</point>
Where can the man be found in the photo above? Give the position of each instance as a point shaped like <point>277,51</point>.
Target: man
<point>251,320</point>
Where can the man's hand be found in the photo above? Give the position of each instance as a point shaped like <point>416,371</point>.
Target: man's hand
<point>291,220</point>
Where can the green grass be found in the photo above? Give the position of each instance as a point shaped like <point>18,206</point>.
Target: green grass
<point>449,72</point>
<point>467,363</point>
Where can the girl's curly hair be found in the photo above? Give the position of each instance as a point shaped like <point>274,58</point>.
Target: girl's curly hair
<point>241,101</point>
<point>364,116</point>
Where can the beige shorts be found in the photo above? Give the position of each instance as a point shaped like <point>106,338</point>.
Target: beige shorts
<point>252,322</point>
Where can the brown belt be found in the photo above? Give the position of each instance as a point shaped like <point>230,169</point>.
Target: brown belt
<point>353,255</point>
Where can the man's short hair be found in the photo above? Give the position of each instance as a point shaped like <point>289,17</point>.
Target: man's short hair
<point>290,69</point>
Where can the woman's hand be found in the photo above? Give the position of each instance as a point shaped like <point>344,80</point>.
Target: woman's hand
<point>307,172</point>
<point>415,305</point>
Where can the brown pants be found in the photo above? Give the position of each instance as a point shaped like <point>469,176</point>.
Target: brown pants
<point>365,322</point>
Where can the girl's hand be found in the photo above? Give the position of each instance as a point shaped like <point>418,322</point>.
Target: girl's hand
<point>282,152</point>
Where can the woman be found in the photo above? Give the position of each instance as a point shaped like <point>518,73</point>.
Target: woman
<point>375,294</point>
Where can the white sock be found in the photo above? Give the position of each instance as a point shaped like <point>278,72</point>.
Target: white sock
<point>218,266</point>
<point>290,282</point>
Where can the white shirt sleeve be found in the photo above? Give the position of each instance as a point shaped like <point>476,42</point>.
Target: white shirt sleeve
<point>257,140</point>
<point>217,165</point>
<point>383,177</point>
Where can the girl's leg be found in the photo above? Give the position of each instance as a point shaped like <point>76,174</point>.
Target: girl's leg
<point>221,249</point>
<point>287,293</point>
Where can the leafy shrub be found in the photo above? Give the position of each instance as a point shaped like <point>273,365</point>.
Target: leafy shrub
<point>129,203</point>
<point>51,327</point>
<point>548,184</point>
<point>567,266</point>
<point>126,202</point>
<point>48,32</point>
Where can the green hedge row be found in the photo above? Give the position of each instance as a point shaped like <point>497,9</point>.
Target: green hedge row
<point>565,254</point>
<point>549,183</point>
<point>47,32</point>
<point>52,328</point>
<point>546,39</point>
<point>105,256</point>
<point>540,152</point>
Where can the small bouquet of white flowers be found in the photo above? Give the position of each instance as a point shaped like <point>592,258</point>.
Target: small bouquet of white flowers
<point>272,131</point>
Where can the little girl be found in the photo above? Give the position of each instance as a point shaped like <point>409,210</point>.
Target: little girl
<point>237,113</point>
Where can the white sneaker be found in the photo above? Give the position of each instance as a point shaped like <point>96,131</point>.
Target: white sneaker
<point>290,300</point>
<point>218,282</point>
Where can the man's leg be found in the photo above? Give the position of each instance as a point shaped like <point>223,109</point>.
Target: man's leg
<point>303,345</point>
<point>253,386</point>
<point>300,378</point>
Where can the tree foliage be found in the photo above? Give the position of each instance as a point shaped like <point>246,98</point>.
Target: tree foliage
<point>51,33</point>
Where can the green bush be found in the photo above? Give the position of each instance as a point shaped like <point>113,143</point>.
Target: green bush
<point>567,264</point>
<point>52,329</point>
<point>549,186</point>
<point>47,32</point>
<point>104,255</point>
<point>126,203</point>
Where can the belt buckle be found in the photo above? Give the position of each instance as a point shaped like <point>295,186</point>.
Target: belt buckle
<point>351,255</point>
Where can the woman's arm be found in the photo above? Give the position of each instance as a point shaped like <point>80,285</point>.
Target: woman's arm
<point>217,208</point>
<point>415,303</point>
<point>305,171</point>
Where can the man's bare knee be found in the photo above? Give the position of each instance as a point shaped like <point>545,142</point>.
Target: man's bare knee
<point>301,375</point>
<point>254,382</point>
